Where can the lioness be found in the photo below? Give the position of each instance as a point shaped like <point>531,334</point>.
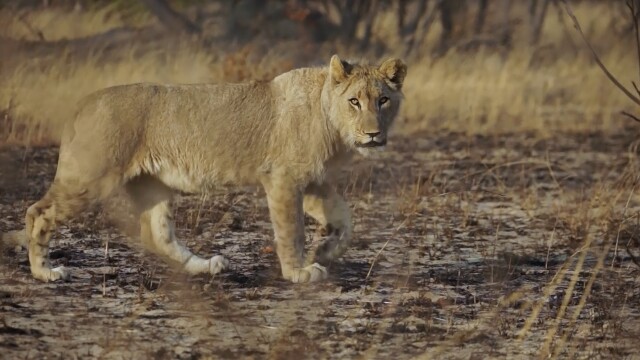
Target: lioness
<point>288,134</point>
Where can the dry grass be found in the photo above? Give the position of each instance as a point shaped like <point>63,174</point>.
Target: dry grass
<point>485,93</point>
<point>552,87</point>
<point>47,97</point>
<point>57,23</point>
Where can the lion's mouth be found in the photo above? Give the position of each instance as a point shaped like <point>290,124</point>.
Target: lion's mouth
<point>372,143</point>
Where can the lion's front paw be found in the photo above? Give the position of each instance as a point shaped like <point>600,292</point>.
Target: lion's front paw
<point>217,264</point>
<point>312,273</point>
<point>48,274</point>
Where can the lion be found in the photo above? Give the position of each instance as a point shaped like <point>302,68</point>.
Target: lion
<point>289,135</point>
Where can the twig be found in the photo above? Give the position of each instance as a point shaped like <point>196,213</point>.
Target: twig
<point>536,306</point>
<point>583,299</point>
<point>634,259</point>
<point>426,25</point>
<point>106,249</point>
<point>635,240</point>
<point>634,17</point>
<point>373,262</point>
<point>624,211</point>
<point>171,18</point>
<point>23,21</point>
<point>613,79</point>
<point>633,117</point>
<point>551,334</point>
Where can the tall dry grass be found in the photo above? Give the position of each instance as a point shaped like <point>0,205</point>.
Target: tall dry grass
<point>43,99</point>
<point>56,23</point>
<point>551,87</point>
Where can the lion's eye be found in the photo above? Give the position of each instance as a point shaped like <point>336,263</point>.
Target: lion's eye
<point>354,102</point>
<point>383,100</point>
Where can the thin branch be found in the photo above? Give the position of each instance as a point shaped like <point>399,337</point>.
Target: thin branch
<point>481,16</point>
<point>424,28</point>
<point>538,21</point>
<point>26,24</point>
<point>171,18</point>
<point>565,26</point>
<point>634,17</point>
<point>633,117</point>
<point>633,257</point>
<point>612,78</point>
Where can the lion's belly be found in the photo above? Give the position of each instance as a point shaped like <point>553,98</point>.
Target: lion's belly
<point>181,180</point>
<point>196,174</point>
<point>194,182</point>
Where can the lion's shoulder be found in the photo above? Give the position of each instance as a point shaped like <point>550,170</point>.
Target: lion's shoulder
<point>303,80</point>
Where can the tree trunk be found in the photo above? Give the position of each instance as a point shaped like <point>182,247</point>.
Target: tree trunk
<point>537,20</point>
<point>411,28</point>
<point>368,25</point>
<point>481,17</point>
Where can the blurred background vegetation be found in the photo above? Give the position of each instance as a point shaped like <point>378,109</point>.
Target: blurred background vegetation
<point>485,66</point>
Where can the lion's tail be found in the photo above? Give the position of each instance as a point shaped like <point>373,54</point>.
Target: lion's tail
<point>14,238</point>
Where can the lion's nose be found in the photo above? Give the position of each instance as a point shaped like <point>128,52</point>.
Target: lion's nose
<point>373,134</point>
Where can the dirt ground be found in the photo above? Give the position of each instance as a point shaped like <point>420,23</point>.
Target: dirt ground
<point>465,248</point>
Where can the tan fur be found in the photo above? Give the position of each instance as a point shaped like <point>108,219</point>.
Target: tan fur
<point>288,135</point>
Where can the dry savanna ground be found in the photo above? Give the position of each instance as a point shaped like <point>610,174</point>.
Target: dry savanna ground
<point>466,247</point>
<point>503,221</point>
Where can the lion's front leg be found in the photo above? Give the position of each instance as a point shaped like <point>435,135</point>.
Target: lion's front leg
<point>287,217</point>
<point>330,210</point>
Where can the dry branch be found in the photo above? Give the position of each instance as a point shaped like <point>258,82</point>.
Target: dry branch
<point>75,46</point>
<point>634,17</point>
<point>633,258</point>
<point>612,78</point>
<point>481,16</point>
<point>109,45</point>
<point>633,117</point>
<point>171,18</point>
<point>411,29</point>
<point>537,18</point>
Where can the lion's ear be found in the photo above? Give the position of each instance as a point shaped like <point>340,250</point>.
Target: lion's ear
<point>395,70</point>
<point>339,70</point>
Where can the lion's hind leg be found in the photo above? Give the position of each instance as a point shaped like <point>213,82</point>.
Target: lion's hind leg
<point>67,197</point>
<point>40,223</point>
<point>329,209</point>
<point>153,202</point>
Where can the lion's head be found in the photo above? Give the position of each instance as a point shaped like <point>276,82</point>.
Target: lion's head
<point>362,101</point>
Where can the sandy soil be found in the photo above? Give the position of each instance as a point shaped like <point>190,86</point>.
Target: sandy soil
<point>458,240</point>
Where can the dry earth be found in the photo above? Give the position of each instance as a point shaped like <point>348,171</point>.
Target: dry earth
<point>458,241</point>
